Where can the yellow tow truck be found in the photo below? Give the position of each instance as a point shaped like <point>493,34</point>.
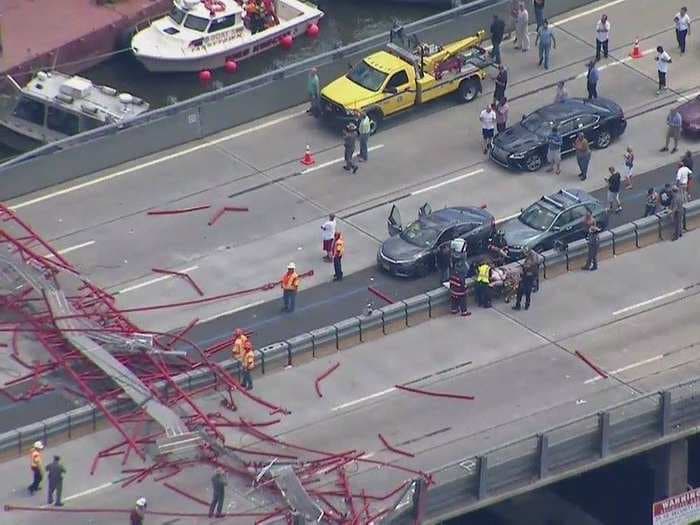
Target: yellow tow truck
<point>402,77</point>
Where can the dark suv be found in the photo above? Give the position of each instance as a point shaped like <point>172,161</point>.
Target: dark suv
<point>552,221</point>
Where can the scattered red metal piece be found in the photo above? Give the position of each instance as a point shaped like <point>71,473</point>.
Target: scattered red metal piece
<point>323,376</point>
<point>185,494</point>
<point>394,449</point>
<point>434,394</point>
<point>178,211</point>
<point>221,211</point>
<point>597,369</point>
<point>185,276</point>
<point>381,295</point>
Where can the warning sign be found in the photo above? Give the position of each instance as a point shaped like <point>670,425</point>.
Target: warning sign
<point>683,509</point>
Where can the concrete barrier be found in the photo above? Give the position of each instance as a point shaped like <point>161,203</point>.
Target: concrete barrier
<point>438,302</point>
<point>301,348</point>
<point>417,309</point>
<point>325,341</point>
<point>348,333</point>
<point>394,317</point>
<point>648,230</point>
<point>371,326</point>
<point>692,215</point>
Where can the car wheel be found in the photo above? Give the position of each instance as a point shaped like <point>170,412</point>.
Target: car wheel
<point>533,162</point>
<point>604,139</point>
<point>375,120</point>
<point>468,90</point>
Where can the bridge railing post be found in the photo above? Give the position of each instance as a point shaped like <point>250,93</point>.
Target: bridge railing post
<point>665,412</point>
<point>604,426</point>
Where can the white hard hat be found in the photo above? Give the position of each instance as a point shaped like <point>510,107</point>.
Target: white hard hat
<point>141,502</point>
<point>291,266</point>
<point>38,445</point>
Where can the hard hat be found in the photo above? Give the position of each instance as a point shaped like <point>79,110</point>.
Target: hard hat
<point>291,266</point>
<point>38,445</point>
<point>141,502</point>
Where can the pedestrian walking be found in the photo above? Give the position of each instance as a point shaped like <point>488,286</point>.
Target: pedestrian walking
<point>442,261</point>
<point>218,486</point>
<point>364,131</point>
<point>602,35</point>
<point>592,77</point>
<point>527,279</point>
<point>592,230</point>
<point>674,122</point>
<point>652,202</point>
<point>290,287</point>
<point>138,513</point>
<point>338,251</point>
<point>488,125</point>
<point>498,28</point>
<point>539,12</point>
<point>502,110</point>
<point>562,93</point>
<point>546,42</point>
<point>483,281</point>
<point>583,155</point>
<point>554,142</point>
<point>349,141</point>
<point>614,185</point>
<point>458,294</point>
<point>327,236</point>
<point>629,167</point>
<point>36,465</point>
<point>677,213</point>
<point>501,83</point>
<point>522,39</point>
<point>248,365</point>
<point>55,471</point>
<point>313,88</point>
<point>683,174</point>
<point>663,59</point>
<point>666,196</point>
<point>682,20</point>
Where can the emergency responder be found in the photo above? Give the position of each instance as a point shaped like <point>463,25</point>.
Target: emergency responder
<point>55,471</point>
<point>290,287</point>
<point>592,230</point>
<point>239,339</point>
<point>458,294</point>
<point>248,364</point>
<point>498,248</point>
<point>37,466</point>
<point>483,280</point>
<point>527,279</point>
<point>338,251</point>
<point>138,513</point>
<point>218,484</point>
<point>442,261</point>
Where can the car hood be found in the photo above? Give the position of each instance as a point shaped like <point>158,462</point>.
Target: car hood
<point>397,249</point>
<point>346,93</point>
<point>690,111</point>
<point>518,234</point>
<point>517,138</point>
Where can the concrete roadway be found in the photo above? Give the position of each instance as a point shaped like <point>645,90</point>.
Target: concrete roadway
<point>519,366</point>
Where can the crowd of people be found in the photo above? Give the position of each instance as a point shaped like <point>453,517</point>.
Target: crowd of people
<point>260,15</point>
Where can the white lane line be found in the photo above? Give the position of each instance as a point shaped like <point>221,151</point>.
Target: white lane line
<point>363,399</point>
<point>154,281</point>
<point>617,62</point>
<point>155,162</point>
<point>686,98</point>
<point>71,248</point>
<point>235,310</point>
<point>625,368</point>
<point>586,13</point>
<point>89,491</point>
<point>649,301</point>
<point>448,181</point>
<point>336,161</point>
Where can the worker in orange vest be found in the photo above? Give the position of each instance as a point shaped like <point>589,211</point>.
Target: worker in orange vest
<point>239,339</point>
<point>290,287</point>
<point>248,363</point>
<point>37,466</point>
<point>338,251</point>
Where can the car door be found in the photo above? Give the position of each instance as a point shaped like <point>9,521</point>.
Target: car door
<point>394,221</point>
<point>568,132</point>
<point>589,125</point>
<point>569,225</point>
<point>397,93</point>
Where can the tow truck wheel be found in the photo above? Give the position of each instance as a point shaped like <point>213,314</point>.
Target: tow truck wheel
<point>375,121</point>
<point>468,90</point>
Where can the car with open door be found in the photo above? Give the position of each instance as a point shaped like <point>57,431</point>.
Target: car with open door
<point>411,250</point>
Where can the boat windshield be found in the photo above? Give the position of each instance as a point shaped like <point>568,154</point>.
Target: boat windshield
<point>366,76</point>
<point>537,217</point>
<point>196,23</point>
<point>176,14</point>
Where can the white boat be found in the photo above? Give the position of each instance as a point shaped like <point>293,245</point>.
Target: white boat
<point>203,35</point>
<point>54,105</point>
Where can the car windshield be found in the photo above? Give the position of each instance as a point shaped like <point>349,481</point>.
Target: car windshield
<point>177,14</point>
<point>537,217</point>
<point>366,76</point>
<point>536,123</point>
<point>420,233</point>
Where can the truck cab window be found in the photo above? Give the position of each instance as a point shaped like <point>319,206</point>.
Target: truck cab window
<point>397,80</point>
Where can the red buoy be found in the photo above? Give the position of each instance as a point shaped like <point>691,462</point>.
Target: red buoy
<point>312,31</point>
<point>231,66</point>
<point>287,41</point>
<point>205,76</point>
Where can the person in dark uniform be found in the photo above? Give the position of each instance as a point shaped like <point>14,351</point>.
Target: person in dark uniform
<point>138,513</point>
<point>442,261</point>
<point>218,484</point>
<point>592,237</point>
<point>55,471</point>
<point>458,294</point>
<point>677,213</point>
<point>527,280</point>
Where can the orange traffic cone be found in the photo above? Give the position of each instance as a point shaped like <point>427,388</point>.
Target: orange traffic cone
<point>636,52</point>
<point>308,159</point>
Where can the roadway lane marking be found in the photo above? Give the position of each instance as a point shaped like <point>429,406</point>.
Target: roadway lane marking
<point>336,161</point>
<point>85,493</point>
<point>586,13</point>
<point>235,310</point>
<point>649,301</point>
<point>154,281</point>
<point>448,181</point>
<point>617,62</point>
<point>71,248</point>
<point>686,98</point>
<point>363,399</point>
<point>625,368</point>
<point>155,162</point>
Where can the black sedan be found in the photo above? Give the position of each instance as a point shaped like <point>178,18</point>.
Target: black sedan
<point>411,251</point>
<point>524,145</point>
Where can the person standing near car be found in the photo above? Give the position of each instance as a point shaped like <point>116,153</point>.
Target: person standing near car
<point>663,59</point>
<point>442,261</point>
<point>592,78</point>
<point>554,142</point>
<point>562,93</point>
<point>364,130</point>
<point>592,230</point>
<point>629,167</point>
<point>483,281</point>
<point>683,175</point>
<point>501,83</point>
<point>674,122</point>
<point>502,115</point>
<point>458,294</point>
<point>602,32</point>
<point>583,155</point>
<point>527,279</point>
<point>614,185</point>
<point>498,28</point>
<point>682,21</point>
<point>677,213</point>
<point>488,125</point>
<point>545,41</point>
<point>349,141</point>
<point>652,202</point>
<point>687,161</point>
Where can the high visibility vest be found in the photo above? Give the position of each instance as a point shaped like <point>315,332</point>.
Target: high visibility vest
<point>238,346</point>
<point>249,360</point>
<point>35,458</point>
<point>290,281</point>
<point>338,247</point>
<point>483,274</point>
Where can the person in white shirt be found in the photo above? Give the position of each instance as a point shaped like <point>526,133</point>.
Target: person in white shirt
<point>682,176</point>
<point>682,21</point>
<point>488,125</point>
<point>328,234</point>
<point>602,34</point>
<point>663,59</point>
